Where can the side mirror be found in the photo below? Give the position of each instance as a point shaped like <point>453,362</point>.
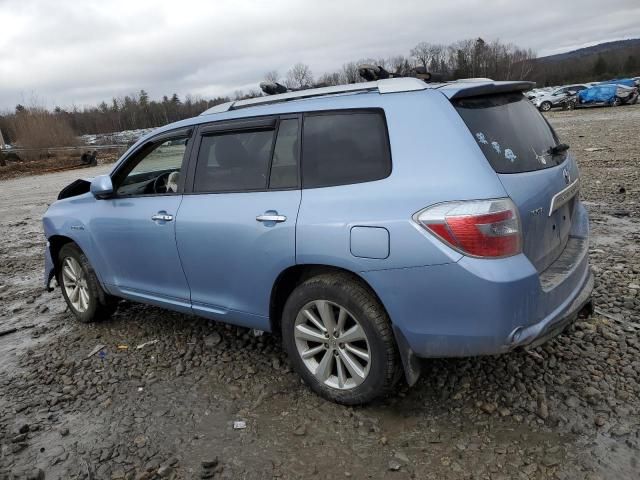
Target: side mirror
<point>101,186</point>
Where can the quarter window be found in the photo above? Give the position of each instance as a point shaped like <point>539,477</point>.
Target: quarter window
<point>234,161</point>
<point>342,148</point>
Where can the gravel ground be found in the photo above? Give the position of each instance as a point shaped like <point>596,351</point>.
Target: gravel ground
<point>167,410</point>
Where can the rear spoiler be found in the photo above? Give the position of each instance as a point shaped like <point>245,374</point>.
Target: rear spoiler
<point>490,88</point>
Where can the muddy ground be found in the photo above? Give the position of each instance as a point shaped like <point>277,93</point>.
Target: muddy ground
<point>167,410</point>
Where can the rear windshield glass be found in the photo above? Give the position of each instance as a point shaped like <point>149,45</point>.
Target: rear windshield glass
<point>511,132</point>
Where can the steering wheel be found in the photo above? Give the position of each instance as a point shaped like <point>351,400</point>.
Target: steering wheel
<point>160,183</point>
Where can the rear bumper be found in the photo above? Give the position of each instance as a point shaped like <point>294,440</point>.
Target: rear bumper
<point>485,307</point>
<point>555,323</point>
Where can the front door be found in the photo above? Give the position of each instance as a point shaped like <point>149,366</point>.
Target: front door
<point>134,231</point>
<point>236,229</point>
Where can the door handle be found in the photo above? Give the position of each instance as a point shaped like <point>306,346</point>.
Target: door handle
<point>163,217</point>
<point>271,218</point>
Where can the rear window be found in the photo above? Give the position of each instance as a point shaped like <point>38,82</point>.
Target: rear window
<point>510,131</point>
<point>341,148</point>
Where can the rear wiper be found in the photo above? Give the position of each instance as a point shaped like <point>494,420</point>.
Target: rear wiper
<point>558,149</point>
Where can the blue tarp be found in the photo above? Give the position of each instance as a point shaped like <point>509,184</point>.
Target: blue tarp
<point>627,82</point>
<point>597,94</point>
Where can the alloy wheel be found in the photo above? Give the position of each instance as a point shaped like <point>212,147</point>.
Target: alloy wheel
<point>75,284</point>
<point>332,344</point>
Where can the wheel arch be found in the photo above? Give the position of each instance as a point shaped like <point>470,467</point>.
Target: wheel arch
<point>294,275</point>
<point>56,242</point>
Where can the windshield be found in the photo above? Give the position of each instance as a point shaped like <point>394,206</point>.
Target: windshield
<point>510,131</point>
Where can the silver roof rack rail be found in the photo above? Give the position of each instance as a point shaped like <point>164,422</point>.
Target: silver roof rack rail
<point>391,85</point>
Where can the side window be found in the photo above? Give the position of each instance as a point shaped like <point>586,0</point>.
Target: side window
<point>156,170</point>
<point>234,161</point>
<point>341,148</point>
<point>284,170</point>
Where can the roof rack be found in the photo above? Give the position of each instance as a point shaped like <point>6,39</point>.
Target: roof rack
<point>391,85</point>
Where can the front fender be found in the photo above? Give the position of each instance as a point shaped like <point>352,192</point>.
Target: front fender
<point>66,220</point>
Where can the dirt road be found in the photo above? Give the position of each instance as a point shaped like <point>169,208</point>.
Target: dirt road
<point>167,410</point>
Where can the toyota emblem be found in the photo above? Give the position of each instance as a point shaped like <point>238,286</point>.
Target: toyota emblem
<point>567,176</point>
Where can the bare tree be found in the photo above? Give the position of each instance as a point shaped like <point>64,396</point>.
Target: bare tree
<point>422,53</point>
<point>299,76</point>
<point>272,76</point>
<point>350,73</point>
<point>329,79</point>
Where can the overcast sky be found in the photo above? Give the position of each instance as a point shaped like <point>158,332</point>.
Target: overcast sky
<point>81,52</point>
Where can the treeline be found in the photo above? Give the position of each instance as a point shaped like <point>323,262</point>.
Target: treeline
<point>588,65</point>
<point>467,58</point>
<point>463,59</point>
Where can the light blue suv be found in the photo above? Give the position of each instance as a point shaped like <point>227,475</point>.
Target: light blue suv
<point>370,225</point>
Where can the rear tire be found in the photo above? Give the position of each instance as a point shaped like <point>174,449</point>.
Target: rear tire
<point>545,106</point>
<point>335,315</point>
<point>80,287</point>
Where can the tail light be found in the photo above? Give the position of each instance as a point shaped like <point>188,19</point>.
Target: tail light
<point>480,228</point>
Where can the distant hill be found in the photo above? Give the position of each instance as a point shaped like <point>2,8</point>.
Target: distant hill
<point>620,58</point>
<point>600,48</point>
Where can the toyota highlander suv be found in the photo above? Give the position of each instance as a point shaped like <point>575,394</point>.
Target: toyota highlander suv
<point>370,225</point>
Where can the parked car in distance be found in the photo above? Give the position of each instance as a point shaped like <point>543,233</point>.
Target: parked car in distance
<point>537,92</point>
<point>607,95</point>
<point>370,225</point>
<point>557,97</point>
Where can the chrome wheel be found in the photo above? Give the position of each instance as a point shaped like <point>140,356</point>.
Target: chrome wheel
<point>75,284</point>
<point>332,344</point>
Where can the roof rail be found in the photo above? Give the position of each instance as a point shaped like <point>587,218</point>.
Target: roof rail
<point>391,85</point>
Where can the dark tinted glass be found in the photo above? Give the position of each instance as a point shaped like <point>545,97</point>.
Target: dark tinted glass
<point>284,170</point>
<point>344,148</point>
<point>234,161</point>
<point>511,132</point>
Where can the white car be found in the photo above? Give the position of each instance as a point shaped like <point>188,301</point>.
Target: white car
<point>557,96</point>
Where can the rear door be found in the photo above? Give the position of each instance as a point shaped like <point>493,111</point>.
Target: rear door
<point>236,225</point>
<point>518,143</point>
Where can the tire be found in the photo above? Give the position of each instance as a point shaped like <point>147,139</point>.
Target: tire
<point>545,106</point>
<point>92,303</point>
<point>616,102</point>
<point>335,294</point>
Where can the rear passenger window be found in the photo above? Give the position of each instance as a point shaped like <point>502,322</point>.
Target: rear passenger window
<point>341,148</point>
<point>234,161</point>
<point>284,171</point>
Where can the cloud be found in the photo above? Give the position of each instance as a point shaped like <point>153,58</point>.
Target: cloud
<point>69,52</point>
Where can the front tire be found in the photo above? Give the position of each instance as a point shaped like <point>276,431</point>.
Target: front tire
<point>80,287</point>
<point>545,106</point>
<point>339,339</point>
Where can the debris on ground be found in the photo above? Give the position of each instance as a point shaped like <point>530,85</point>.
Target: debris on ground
<point>146,344</point>
<point>95,350</point>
